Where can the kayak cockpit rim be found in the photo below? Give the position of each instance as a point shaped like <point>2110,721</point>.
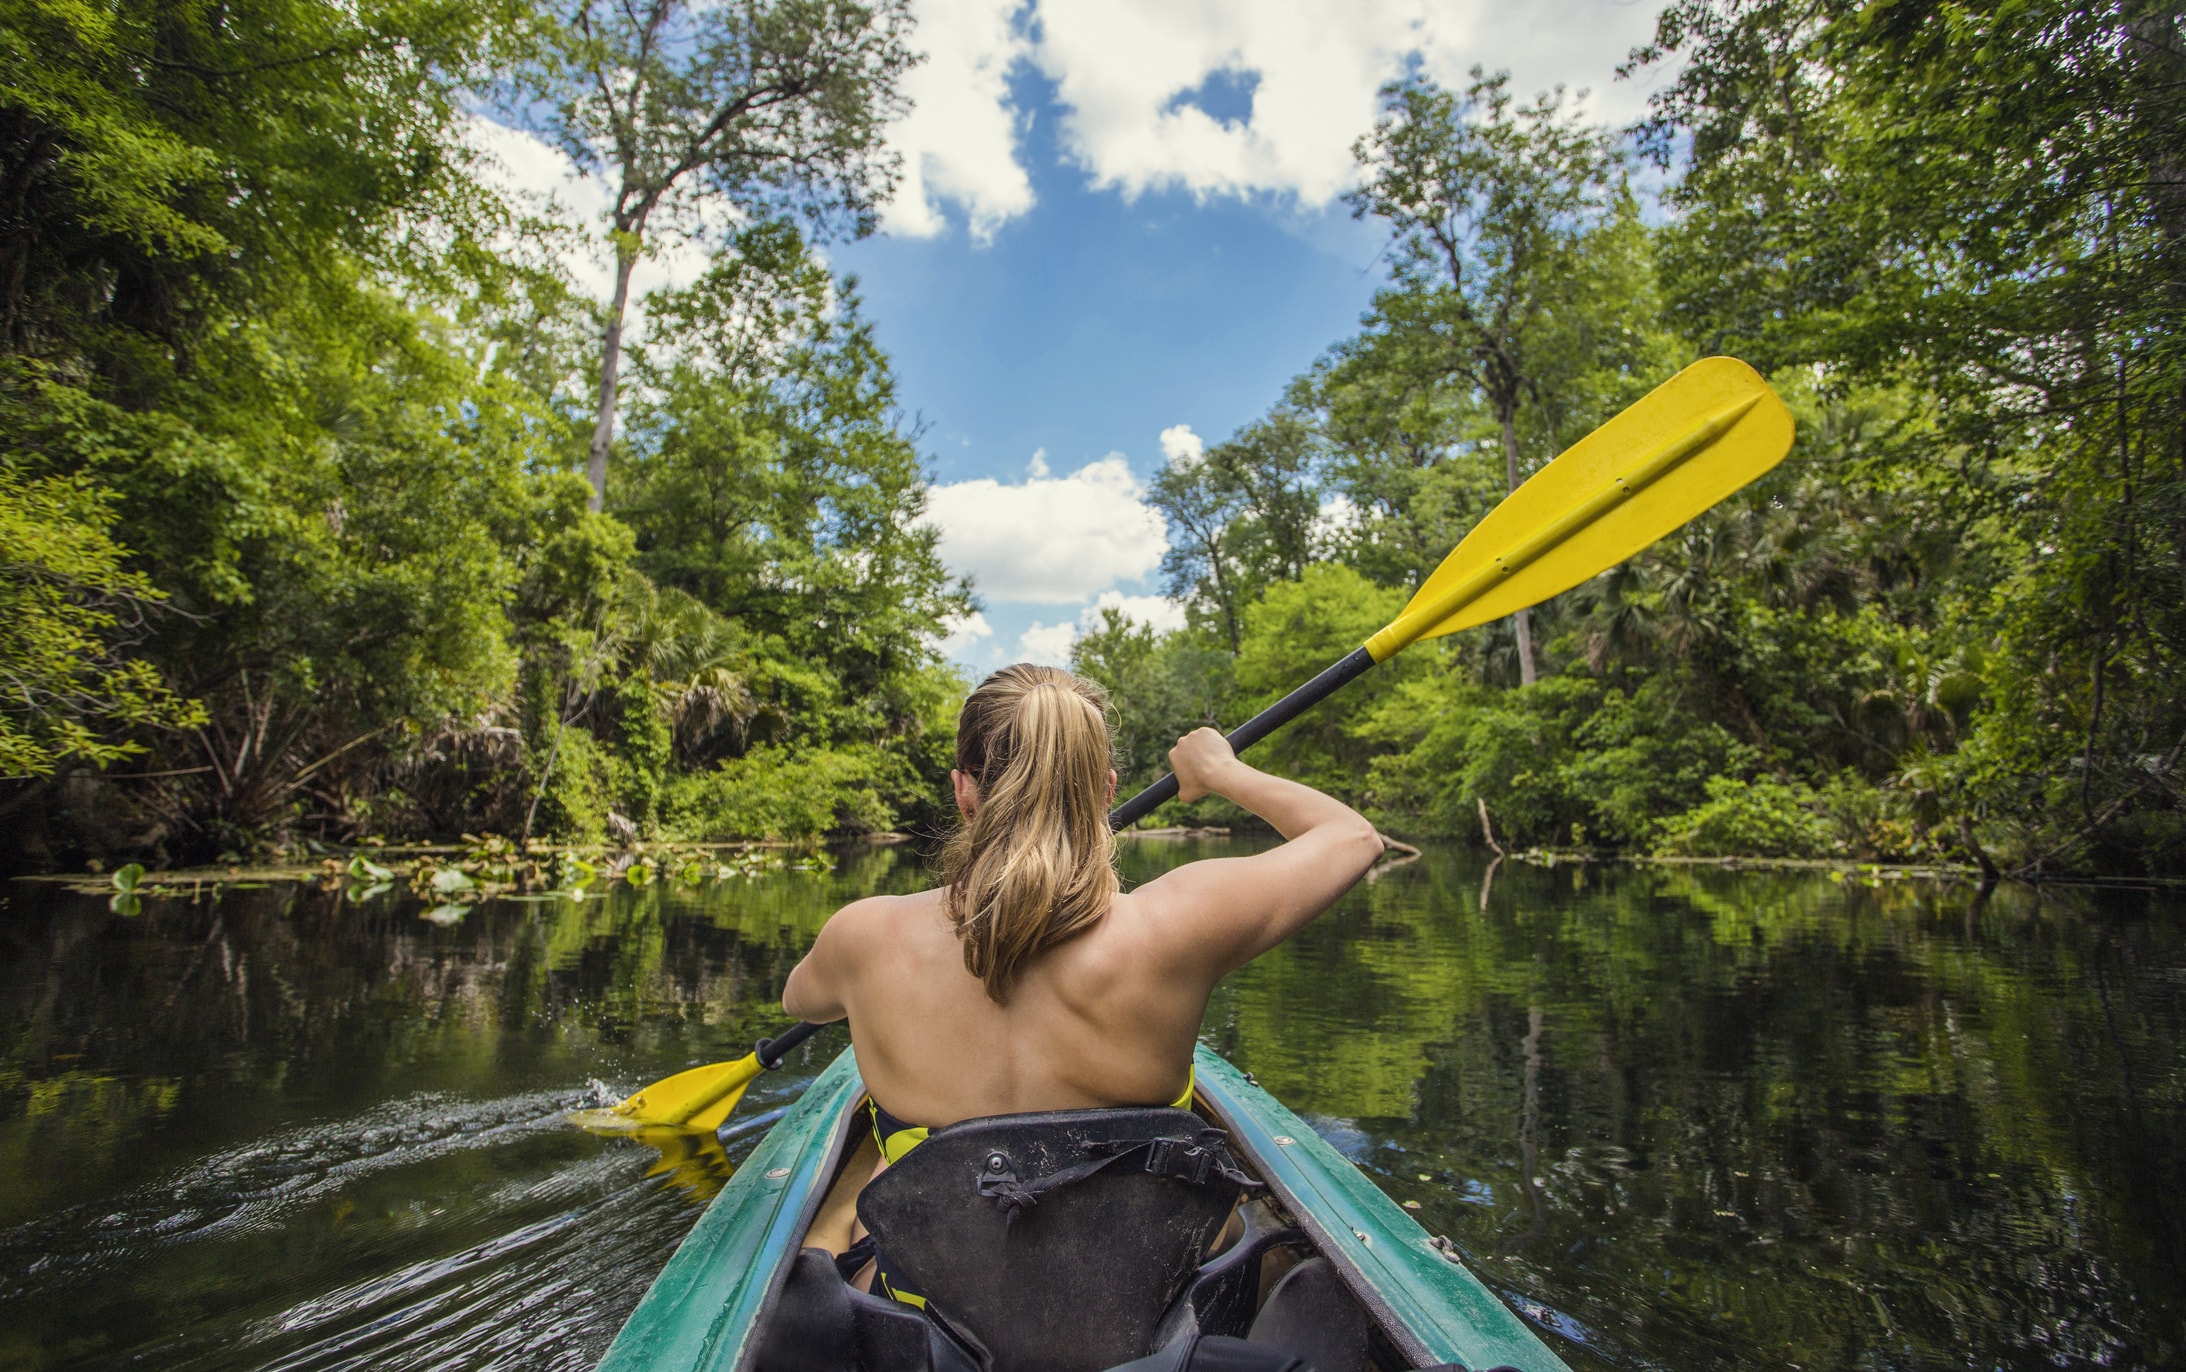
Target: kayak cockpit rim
<point>1391,1344</point>
<point>851,1127</point>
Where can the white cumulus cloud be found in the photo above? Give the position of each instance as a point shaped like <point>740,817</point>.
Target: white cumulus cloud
<point>1125,67</point>
<point>1181,446</point>
<point>959,632</point>
<point>1052,540</point>
<point>959,143</point>
<point>1047,644</point>
<point>1158,612</point>
<point>1131,76</point>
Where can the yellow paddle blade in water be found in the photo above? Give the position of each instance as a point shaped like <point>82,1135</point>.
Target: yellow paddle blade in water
<point>699,1099</point>
<point>1677,451</point>
<point>691,1162</point>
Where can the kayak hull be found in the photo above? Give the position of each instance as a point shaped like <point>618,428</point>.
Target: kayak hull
<point>704,1311</point>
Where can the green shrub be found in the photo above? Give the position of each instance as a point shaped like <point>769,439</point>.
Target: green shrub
<point>1641,757</point>
<point>644,746</point>
<point>581,790</point>
<point>1760,818</point>
<point>1452,742</point>
<point>790,792</point>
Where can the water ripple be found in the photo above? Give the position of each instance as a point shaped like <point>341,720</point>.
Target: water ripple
<point>252,1187</point>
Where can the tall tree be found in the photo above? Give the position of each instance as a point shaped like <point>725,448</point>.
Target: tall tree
<point>1200,567</point>
<point>763,104</point>
<point>1241,515</point>
<point>1485,199</point>
<point>1984,201</point>
<point>772,475</point>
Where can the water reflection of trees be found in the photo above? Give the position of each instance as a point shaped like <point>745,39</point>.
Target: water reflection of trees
<point>1716,1119</point>
<point>1778,1119</point>
<point>288,991</point>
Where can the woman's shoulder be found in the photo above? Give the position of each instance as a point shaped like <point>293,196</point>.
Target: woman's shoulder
<point>881,916</point>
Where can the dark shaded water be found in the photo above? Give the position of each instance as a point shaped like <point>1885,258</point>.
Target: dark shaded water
<point>1682,1119</point>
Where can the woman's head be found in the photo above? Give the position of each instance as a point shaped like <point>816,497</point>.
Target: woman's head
<point>1033,864</point>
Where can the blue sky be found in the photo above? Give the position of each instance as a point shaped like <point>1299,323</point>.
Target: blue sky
<point>1092,322</point>
<point>1119,234</point>
<point>1085,328</point>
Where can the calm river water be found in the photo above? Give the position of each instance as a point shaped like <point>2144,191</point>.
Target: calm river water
<point>1680,1119</point>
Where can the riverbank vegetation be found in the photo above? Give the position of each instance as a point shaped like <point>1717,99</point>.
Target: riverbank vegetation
<point>332,507</point>
<point>295,428</point>
<point>1949,627</point>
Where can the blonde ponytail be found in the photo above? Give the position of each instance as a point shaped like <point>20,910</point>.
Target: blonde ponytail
<point>1035,865</point>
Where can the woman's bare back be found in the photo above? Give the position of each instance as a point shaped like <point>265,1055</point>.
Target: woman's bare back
<point>1105,1018</point>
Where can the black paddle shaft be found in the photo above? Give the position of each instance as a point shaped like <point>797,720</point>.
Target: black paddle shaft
<point>772,1051</point>
<point>1252,731</point>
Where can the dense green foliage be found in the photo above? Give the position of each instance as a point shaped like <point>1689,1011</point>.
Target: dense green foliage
<point>1951,625</point>
<point>61,606</point>
<point>296,417</point>
<point>293,411</point>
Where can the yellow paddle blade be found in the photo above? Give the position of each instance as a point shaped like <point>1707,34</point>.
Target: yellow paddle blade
<point>693,1163</point>
<point>699,1099</point>
<point>1673,454</point>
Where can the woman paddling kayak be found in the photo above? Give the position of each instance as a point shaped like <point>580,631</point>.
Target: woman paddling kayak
<point>1028,981</point>
<point>1037,1023</point>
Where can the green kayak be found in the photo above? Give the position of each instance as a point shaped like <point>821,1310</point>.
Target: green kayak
<point>1313,1265</point>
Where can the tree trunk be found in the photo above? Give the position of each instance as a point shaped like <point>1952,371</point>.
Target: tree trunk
<point>1529,1137</point>
<point>1223,595</point>
<point>1523,620</point>
<point>2153,41</point>
<point>603,426</point>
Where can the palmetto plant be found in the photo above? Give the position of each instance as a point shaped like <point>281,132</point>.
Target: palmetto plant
<point>702,670</point>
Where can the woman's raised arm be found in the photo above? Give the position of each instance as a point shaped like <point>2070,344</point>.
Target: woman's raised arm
<point>1220,914</point>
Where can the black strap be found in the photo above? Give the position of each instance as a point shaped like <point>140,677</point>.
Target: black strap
<point>1195,1161</point>
<point>1196,1352</point>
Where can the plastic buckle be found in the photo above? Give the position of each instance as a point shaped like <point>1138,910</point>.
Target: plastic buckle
<point>1177,1158</point>
<point>1202,1160</point>
<point>1157,1155</point>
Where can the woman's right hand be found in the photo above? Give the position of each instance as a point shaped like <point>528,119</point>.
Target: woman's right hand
<point>1199,759</point>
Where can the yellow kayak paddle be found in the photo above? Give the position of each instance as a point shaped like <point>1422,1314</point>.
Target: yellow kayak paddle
<point>1672,455</point>
<point>1669,457</point>
<point>699,1099</point>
